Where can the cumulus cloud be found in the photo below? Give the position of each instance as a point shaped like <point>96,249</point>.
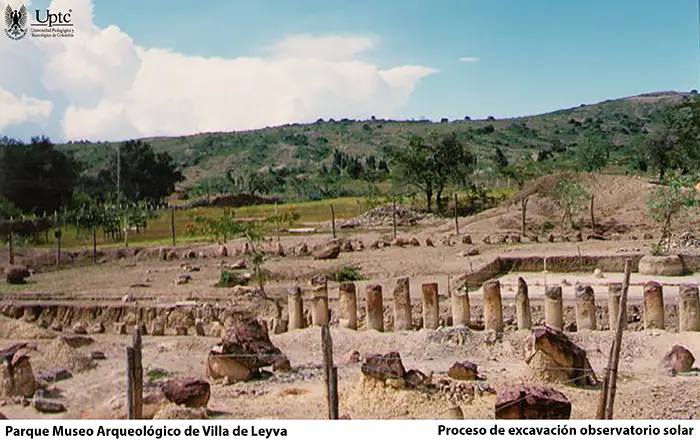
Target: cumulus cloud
<point>469,59</point>
<point>100,85</point>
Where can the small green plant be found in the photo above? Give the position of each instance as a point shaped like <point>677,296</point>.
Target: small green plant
<point>670,200</point>
<point>347,273</point>
<point>229,279</point>
<point>656,249</point>
<point>156,374</point>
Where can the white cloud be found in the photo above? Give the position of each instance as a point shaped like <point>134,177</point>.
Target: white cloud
<point>105,87</point>
<point>468,59</point>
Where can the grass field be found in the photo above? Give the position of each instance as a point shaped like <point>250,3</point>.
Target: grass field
<point>158,231</point>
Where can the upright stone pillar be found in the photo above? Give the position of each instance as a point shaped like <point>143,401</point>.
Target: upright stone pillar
<point>493,306</point>
<point>585,308</point>
<point>461,311</point>
<point>348,305</point>
<point>554,307</point>
<point>614,297</point>
<point>688,307</point>
<point>319,314</point>
<point>431,306</point>
<point>523,312</point>
<point>654,306</point>
<point>403,315</point>
<point>295,305</point>
<point>375,307</point>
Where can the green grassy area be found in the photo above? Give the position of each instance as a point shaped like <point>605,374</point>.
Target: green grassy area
<point>158,231</point>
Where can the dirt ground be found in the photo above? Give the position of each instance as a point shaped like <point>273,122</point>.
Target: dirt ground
<point>645,390</point>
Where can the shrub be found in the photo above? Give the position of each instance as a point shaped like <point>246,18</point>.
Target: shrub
<point>346,273</point>
<point>229,279</point>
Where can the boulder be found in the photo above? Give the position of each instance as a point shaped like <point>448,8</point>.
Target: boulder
<point>668,265</point>
<point>48,406</point>
<point>77,341</point>
<point>98,355</point>
<point>560,358</point>
<point>429,242</point>
<point>532,403</point>
<point>172,412</point>
<point>383,367</point>
<point>679,359</point>
<point>329,252</point>
<point>281,364</point>
<point>16,374</point>
<point>55,375</point>
<point>463,371</point>
<point>16,274</point>
<point>2,416</point>
<point>466,239</point>
<point>245,348</point>
<point>351,357</point>
<point>190,392</point>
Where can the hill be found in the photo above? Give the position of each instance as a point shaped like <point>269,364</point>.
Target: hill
<point>302,147</point>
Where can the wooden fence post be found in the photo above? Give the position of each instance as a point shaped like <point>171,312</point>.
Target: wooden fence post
<point>9,243</point>
<point>333,220</point>
<point>606,402</point>
<point>456,215</point>
<point>130,415</point>
<point>172,224</point>
<point>94,245</point>
<point>393,217</point>
<point>135,376</point>
<point>331,372</point>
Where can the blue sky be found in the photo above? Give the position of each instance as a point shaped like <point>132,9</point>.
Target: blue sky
<point>533,56</point>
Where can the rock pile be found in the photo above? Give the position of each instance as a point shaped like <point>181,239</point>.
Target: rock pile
<point>532,403</point>
<point>384,216</point>
<point>686,240</point>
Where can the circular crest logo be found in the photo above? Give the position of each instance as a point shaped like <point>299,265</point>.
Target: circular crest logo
<point>16,22</point>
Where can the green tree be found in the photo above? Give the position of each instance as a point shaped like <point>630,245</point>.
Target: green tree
<point>676,195</point>
<point>35,177</point>
<point>143,174</point>
<point>569,196</point>
<point>661,151</point>
<point>592,155</point>
<point>500,159</point>
<point>431,165</point>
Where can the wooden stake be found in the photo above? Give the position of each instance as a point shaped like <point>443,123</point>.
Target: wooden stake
<point>333,220</point>
<point>393,217</point>
<point>456,215</point>
<point>172,224</point>
<point>331,388</point>
<point>58,251</point>
<point>617,345</point>
<point>138,374</point>
<point>94,245</point>
<point>130,383</point>
<point>9,244</point>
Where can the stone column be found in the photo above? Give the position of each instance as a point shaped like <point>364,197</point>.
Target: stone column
<point>688,307</point>
<point>348,305</point>
<point>554,307</point>
<point>375,307</point>
<point>403,316</point>
<point>585,308</point>
<point>431,306</point>
<point>523,312</point>
<point>493,306</point>
<point>654,306</point>
<point>614,296</point>
<point>461,310</point>
<point>319,308</point>
<point>295,305</point>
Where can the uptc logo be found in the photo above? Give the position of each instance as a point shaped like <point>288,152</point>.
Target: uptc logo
<point>50,19</point>
<point>46,23</point>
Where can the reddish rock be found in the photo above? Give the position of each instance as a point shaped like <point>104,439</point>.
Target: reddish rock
<point>245,348</point>
<point>532,403</point>
<point>679,359</point>
<point>429,242</point>
<point>281,364</point>
<point>463,371</point>
<point>16,274</point>
<point>383,367</point>
<point>190,392</point>
<point>2,416</point>
<point>77,341</point>
<point>329,252</point>
<point>415,378</point>
<point>352,357</point>
<point>564,356</point>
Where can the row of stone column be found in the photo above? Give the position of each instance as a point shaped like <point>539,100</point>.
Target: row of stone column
<point>586,318</point>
